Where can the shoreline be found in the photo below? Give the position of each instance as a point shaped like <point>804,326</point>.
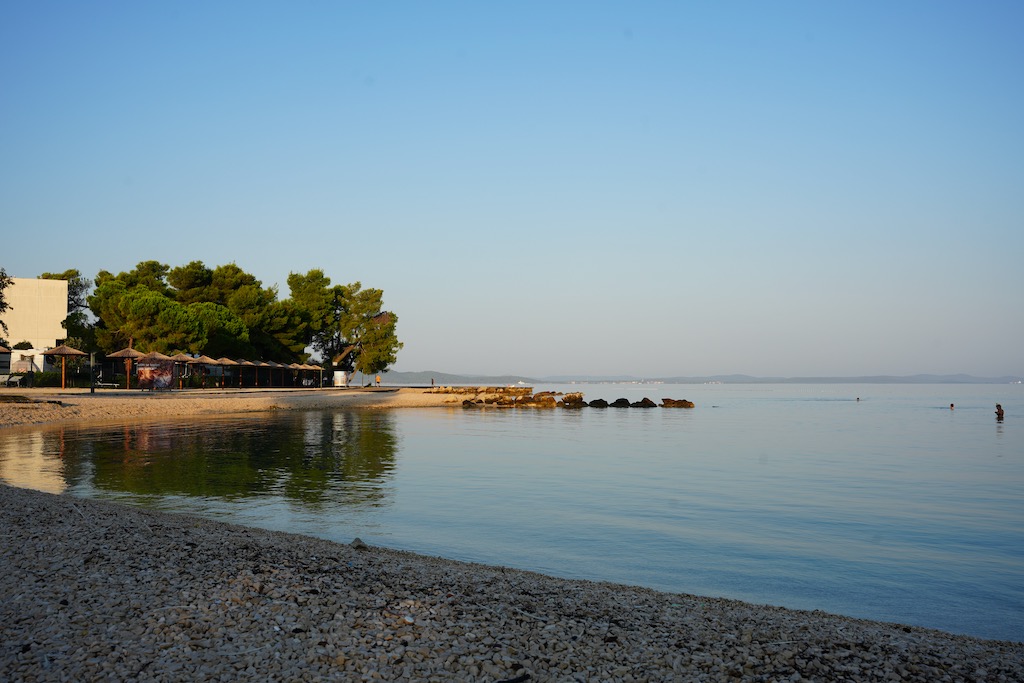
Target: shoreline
<point>92,589</point>
<point>36,407</point>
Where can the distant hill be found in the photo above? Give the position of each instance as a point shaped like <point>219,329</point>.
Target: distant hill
<point>426,378</point>
<point>445,378</point>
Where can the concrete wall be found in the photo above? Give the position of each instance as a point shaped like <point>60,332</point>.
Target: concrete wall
<point>36,309</point>
<point>30,360</point>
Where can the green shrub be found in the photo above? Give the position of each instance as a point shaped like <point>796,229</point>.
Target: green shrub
<point>45,379</point>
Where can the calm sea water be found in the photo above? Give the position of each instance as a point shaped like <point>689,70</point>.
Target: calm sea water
<point>893,507</point>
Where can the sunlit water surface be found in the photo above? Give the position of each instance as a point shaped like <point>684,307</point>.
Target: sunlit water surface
<point>893,507</point>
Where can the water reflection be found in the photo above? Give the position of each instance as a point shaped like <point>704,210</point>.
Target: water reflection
<point>27,461</point>
<point>315,458</point>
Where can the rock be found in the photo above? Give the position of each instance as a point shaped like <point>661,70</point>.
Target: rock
<point>172,597</point>
<point>644,403</point>
<point>358,544</point>
<point>598,403</point>
<point>573,400</point>
<point>620,403</point>
<point>676,403</point>
<point>545,399</point>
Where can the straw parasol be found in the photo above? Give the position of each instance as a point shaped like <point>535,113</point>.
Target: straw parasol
<point>227,361</point>
<point>264,364</point>
<point>311,368</point>
<point>181,358</point>
<point>274,366</point>
<point>4,349</point>
<point>248,364</point>
<point>203,360</point>
<point>64,351</point>
<point>296,368</point>
<point>128,354</point>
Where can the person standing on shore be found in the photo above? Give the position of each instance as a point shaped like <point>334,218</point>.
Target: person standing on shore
<point>999,413</point>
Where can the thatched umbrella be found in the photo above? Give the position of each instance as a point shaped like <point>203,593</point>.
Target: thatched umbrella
<point>272,365</point>
<point>248,364</point>
<point>295,376</point>
<point>204,360</point>
<point>313,368</point>
<point>227,361</point>
<point>4,349</point>
<point>64,351</point>
<point>127,354</point>
<point>264,364</point>
<point>181,358</point>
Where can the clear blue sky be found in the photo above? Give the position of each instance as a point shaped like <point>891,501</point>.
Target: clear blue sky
<point>657,188</point>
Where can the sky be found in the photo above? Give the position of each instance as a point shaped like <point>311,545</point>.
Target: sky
<point>571,188</point>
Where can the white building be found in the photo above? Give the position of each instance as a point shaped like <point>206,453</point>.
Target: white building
<point>35,311</point>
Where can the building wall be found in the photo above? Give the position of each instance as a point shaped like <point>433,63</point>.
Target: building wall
<point>36,309</point>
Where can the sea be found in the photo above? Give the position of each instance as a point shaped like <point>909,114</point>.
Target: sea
<point>875,501</point>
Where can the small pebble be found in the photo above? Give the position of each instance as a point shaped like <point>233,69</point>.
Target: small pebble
<point>222,602</point>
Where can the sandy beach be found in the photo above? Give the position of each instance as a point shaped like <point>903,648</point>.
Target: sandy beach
<point>95,591</point>
<point>43,406</point>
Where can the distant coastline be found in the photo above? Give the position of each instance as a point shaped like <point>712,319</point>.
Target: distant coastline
<point>443,378</point>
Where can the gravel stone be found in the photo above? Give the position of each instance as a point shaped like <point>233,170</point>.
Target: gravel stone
<point>94,591</point>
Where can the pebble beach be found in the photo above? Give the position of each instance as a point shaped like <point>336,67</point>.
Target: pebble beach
<point>90,590</point>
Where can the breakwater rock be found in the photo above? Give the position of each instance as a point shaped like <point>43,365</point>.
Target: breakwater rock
<point>676,403</point>
<point>522,397</point>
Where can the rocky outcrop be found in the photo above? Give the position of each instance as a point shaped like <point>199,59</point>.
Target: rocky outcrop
<point>522,397</point>
<point>644,403</point>
<point>544,399</point>
<point>573,400</point>
<point>676,403</point>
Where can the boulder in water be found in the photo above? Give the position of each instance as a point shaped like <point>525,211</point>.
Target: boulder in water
<point>676,403</point>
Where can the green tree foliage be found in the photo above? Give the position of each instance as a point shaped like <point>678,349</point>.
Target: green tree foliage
<point>347,325</point>
<point>281,332</point>
<point>321,306</point>
<point>223,333</point>
<point>378,344</point>
<point>77,322</point>
<point>370,329</point>
<point>5,282</point>
<point>191,283</point>
<point>225,311</point>
<point>104,303</point>
<point>149,274</point>
<point>275,330</point>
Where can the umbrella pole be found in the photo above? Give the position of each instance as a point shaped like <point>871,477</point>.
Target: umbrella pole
<point>63,365</point>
